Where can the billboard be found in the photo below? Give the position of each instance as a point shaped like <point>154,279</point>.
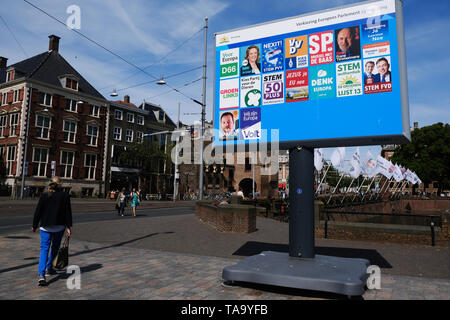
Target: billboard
<point>330,78</point>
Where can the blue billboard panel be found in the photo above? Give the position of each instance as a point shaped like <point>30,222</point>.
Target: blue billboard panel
<point>331,78</point>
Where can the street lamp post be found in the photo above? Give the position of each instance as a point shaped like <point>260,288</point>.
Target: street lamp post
<point>203,113</point>
<point>25,149</point>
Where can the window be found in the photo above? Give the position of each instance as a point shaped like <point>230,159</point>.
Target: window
<point>92,133</point>
<point>140,120</point>
<point>129,135</point>
<point>248,165</point>
<point>13,121</point>
<point>139,136</point>
<point>117,133</point>
<point>66,163</point>
<point>94,110</point>
<point>40,157</point>
<point>16,95</point>
<point>45,99</point>
<point>162,143</point>
<point>3,121</point>
<point>130,117</point>
<point>42,126</point>
<point>10,160</point>
<point>161,115</point>
<point>118,114</point>
<point>71,105</point>
<point>90,163</point>
<point>10,76</point>
<point>69,131</point>
<point>4,98</point>
<point>71,84</point>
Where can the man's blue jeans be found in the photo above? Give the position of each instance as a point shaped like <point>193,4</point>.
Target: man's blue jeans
<point>50,243</point>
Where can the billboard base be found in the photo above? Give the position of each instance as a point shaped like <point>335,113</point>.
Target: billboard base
<point>346,276</point>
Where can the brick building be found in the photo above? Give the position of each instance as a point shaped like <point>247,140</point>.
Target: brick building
<point>52,122</point>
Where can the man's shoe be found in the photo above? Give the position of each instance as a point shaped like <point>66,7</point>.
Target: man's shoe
<point>42,282</point>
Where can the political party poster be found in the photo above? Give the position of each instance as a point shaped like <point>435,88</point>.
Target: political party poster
<point>380,80</point>
<point>250,63</point>
<point>251,91</point>
<point>347,43</point>
<point>322,82</point>
<point>348,78</point>
<point>229,61</point>
<point>273,88</point>
<point>297,85</point>
<point>375,39</point>
<point>296,52</point>
<point>250,123</point>
<point>321,48</point>
<point>229,124</point>
<point>272,56</point>
<point>229,94</point>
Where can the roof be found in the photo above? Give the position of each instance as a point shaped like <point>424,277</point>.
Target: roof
<point>47,67</point>
<point>153,107</point>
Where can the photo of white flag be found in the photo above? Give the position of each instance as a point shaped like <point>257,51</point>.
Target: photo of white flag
<point>318,159</point>
<point>355,161</point>
<point>338,156</point>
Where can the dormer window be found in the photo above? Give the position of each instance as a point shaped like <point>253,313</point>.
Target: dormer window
<point>71,84</point>
<point>10,75</point>
<point>69,81</point>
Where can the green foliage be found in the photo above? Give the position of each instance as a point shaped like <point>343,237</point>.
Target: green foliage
<point>428,154</point>
<point>145,156</point>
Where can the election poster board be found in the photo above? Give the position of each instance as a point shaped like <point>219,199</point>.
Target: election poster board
<point>325,79</point>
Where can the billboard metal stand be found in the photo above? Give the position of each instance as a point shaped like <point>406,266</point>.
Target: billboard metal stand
<point>302,268</point>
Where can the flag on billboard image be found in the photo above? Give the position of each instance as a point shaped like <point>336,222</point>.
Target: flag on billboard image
<point>250,60</point>
<point>297,85</point>
<point>229,94</point>
<point>348,78</point>
<point>321,48</point>
<point>338,156</point>
<point>318,159</point>
<point>321,79</point>
<point>375,39</point>
<point>397,174</point>
<point>273,87</point>
<point>229,60</point>
<point>377,75</point>
<point>355,162</point>
<point>370,165</point>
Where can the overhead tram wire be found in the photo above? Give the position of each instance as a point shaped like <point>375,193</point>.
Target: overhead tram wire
<point>157,62</point>
<point>12,33</point>
<point>185,85</point>
<point>111,52</point>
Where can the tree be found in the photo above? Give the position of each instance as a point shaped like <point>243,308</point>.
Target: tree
<point>428,154</point>
<point>147,156</point>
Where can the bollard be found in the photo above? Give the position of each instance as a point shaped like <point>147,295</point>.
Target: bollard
<point>432,233</point>
<point>326,225</point>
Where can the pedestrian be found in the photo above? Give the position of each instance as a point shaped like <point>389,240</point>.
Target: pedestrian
<point>134,201</point>
<point>121,202</point>
<point>54,214</point>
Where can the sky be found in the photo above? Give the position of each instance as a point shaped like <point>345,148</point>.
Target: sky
<point>166,39</point>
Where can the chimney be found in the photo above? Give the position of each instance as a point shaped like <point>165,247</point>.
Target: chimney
<point>3,62</point>
<point>127,99</point>
<point>53,44</point>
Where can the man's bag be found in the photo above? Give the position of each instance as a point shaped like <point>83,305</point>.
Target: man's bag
<point>62,258</point>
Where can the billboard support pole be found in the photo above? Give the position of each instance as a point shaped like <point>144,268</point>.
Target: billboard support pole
<point>301,202</point>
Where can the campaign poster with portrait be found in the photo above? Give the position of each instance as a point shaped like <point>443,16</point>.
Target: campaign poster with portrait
<point>380,80</point>
<point>321,48</point>
<point>322,82</point>
<point>229,62</point>
<point>296,52</point>
<point>349,78</point>
<point>297,85</point>
<point>273,56</point>
<point>347,43</point>
<point>273,88</point>
<point>375,39</point>
<point>229,124</point>
<point>250,60</point>
<point>251,91</point>
<point>229,94</point>
<point>250,123</point>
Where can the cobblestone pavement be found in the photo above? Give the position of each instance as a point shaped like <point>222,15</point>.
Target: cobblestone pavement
<point>114,271</point>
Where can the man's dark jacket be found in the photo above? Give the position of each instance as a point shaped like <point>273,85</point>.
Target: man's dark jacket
<point>53,209</point>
